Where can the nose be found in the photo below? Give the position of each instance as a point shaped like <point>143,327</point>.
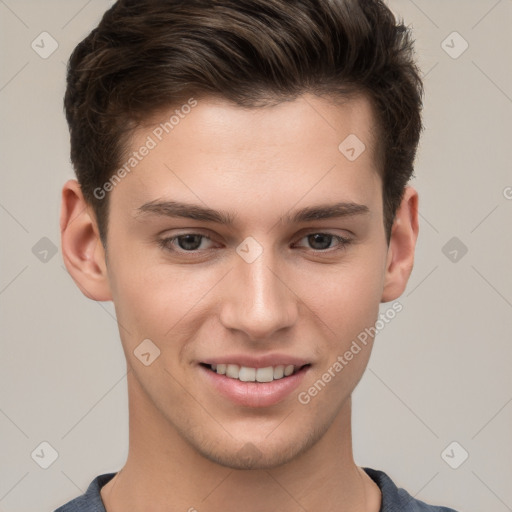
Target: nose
<point>258,298</point>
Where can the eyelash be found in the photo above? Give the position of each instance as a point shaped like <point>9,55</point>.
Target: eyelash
<point>165,243</point>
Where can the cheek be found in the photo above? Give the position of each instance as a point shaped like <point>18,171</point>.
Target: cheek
<point>348,304</point>
<point>154,300</point>
<point>157,300</point>
<point>346,298</point>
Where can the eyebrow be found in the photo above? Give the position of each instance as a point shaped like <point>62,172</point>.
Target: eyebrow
<point>176,209</point>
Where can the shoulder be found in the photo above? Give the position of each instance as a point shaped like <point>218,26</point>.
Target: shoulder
<point>395,499</point>
<point>90,501</point>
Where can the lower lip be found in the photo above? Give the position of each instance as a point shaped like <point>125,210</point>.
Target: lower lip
<point>254,394</point>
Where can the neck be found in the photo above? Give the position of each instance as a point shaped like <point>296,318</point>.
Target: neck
<point>164,472</point>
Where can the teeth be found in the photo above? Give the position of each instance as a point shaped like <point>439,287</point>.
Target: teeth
<point>232,371</point>
<point>279,372</point>
<point>246,374</point>
<point>265,374</point>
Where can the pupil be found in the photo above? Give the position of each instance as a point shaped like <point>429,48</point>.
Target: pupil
<point>187,245</point>
<point>314,238</point>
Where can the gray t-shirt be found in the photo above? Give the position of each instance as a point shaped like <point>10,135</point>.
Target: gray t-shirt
<point>394,499</point>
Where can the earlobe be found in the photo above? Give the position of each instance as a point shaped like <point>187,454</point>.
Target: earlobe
<point>400,258</point>
<point>82,250</point>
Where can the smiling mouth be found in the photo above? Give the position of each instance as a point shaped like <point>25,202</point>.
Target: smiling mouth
<point>247,374</point>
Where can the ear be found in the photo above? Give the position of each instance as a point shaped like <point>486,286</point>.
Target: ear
<point>82,249</point>
<point>400,258</point>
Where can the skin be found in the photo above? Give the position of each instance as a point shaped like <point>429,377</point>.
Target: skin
<point>259,164</point>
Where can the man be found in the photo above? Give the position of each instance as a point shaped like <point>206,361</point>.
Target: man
<point>242,199</point>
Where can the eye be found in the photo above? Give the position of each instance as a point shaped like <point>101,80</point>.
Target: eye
<point>320,242</point>
<point>188,242</point>
<point>193,242</point>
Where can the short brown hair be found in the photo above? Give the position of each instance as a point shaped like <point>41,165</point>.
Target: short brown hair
<point>146,55</point>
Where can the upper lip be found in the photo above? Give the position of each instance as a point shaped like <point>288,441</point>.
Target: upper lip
<point>263,361</point>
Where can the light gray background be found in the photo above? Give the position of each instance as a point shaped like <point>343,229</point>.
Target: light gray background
<point>440,372</point>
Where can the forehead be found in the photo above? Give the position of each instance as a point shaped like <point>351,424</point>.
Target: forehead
<point>286,123</point>
<point>215,151</point>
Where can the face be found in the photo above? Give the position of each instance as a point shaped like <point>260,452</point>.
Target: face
<point>275,256</point>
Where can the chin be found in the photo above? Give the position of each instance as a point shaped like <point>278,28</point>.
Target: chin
<point>250,457</point>
<point>259,454</point>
